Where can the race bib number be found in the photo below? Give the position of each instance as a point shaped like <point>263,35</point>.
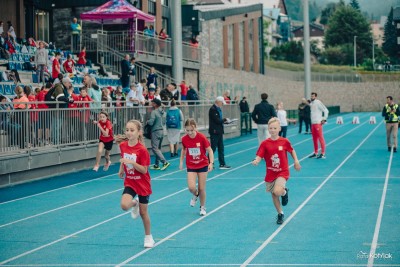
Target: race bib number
<point>130,157</point>
<point>194,152</point>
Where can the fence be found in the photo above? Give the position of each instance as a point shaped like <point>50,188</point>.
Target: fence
<point>26,130</point>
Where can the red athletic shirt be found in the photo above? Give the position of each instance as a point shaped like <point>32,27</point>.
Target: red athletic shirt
<point>137,181</point>
<point>195,148</point>
<point>274,153</point>
<point>40,98</point>
<point>106,125</point>
<point>55,72</point>
<point>68,65</point>
<point>184,89</point>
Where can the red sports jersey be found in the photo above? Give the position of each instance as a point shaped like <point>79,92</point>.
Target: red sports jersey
<point>104,126</point>
<point>137,181</point>
<point>40,98</point>
<point>195,148</point>
<point>274,153</point>
<point>54,72</point>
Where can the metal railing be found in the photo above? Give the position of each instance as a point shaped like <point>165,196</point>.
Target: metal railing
<point>28,130</point>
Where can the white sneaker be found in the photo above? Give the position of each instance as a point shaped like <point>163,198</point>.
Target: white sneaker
<point>148,241</point>
<point>203,211</point>
<point>135,210</point>
<point>106,166</point>
<point>193,200</point>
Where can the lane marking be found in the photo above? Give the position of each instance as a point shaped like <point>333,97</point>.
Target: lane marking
<point>277,231</point>
<point>374,244</point>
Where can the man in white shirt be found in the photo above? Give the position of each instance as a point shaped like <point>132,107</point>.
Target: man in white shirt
<point>133,99</point>
<point>319,115</point>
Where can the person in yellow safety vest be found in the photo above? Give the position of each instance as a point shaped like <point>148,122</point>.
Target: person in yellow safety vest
<point>391,112</point>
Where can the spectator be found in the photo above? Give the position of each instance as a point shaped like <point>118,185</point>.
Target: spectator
<point>56,66</point>
<point>132,71</point>
<point>282,116</point>
<point>73,115</point>
<point>244,106</point>
<point>216,130</point>
<point>41,61</point>
<point>152,77</point>
<point>194,44</point>
<point>84,108</point>
<point>166,94</point>
<point>69,65</point>
<point>184,90</point>
<point>162,43</point>
<point>20,116</point>
<point>76,31</point>
<point>11,31</point>
<point>44,116</point>
<point>157,122</point>
<point>82,57</point>
<point>174,125</point>
<point>261,114</point>
<point>1,27</point>
<point>304,115</point>
<point>391,113</point>
<point>125,69</point>
<point>192,97</point>
<point>227,97</point>
<point>319,115</point>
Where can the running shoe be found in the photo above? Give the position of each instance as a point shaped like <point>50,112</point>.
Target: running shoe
<point>148,241</point>
<point>96,168</point>
<point>313,156</point>
<point>224,167</point>
<point>203,211</point>
<point>155,167</point>
<point>321,156</point>
<point>165,165</point>
<point>285,198</point>
<point>106,166</point>
<point>280,218</point>
<point>395,149</point>
<point>194,200</point>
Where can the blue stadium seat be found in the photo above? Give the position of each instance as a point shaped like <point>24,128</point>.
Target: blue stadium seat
<point>2,90</point>
<point>11,65</point>
<point>19,66</point>
<point>7,89</point>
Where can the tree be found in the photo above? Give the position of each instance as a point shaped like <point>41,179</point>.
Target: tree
<point>354,4</point>
<point>327,12</point>
<point>389,45</point>
<point>346,23</point>
<point>291,51</point>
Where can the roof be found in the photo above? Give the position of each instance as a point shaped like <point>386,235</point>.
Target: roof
<point>275,4</point>
<point>272,13</point>
<point>116,12</point>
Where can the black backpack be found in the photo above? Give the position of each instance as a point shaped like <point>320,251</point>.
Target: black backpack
<point>147,131</point>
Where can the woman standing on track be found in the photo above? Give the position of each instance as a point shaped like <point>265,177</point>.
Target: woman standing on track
<point>135,161</point>
<point>195,145</point>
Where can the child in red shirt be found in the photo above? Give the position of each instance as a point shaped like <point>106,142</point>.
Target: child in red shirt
<point>274,151</point>
<point>135,161</point>
<point>106,140</point>
<point>195,145</point>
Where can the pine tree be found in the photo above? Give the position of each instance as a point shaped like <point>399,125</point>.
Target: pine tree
<point>389,45</point>
<point>354,4</point>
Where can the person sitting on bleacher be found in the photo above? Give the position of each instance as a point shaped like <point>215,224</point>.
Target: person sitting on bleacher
<point>69,65</point>
<point>10,45</point>
<point>30,65</point>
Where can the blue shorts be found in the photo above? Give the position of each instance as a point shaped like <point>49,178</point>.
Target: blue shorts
<point>142,199</point>
<point>183,97</point>
<point>204,169</point>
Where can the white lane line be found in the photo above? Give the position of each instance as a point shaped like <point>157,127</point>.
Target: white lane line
<point>220,207</point>
<point>115,217</point>
<point>374,243</point>
<point>201,264</point>
<point>271,237</point>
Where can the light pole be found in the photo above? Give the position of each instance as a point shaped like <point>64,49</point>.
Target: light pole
<point>355,52</point>
<point>373,53</point>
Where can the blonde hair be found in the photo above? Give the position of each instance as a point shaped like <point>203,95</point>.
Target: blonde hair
<point>19,91</point>
<point>191,122</point>
<point>119,138</point>
<point>274,119</point>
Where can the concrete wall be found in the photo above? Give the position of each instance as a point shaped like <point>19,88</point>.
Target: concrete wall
<point>350,96</point>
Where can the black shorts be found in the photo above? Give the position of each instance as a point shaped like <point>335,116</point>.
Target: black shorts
<point>107,145</point>
<point>204,169</point>
<point>142,199</point>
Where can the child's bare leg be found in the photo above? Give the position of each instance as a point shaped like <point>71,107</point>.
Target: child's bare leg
<point>126,202</point>
<point>191,180</point>
<point>99,152</point>
<point>277,203</point>
<point>202,187</point>
<point>145,218</point>
<point>106,156</point>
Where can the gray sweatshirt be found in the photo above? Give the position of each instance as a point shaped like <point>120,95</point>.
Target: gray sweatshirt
<point>41,57</point>
<point>157,119</point>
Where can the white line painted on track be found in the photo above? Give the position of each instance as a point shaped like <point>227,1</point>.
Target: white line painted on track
<point>277,231</point>
<point>220,207</point>
<point>374,243</point>
<point>115,217</point>
<point>201,264</point>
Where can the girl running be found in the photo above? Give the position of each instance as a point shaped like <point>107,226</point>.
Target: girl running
<point>135,161</point>
<point>195,145</point>
<point>106,140</point>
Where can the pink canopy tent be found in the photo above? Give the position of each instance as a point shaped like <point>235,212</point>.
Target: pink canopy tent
<point>116,12</point>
